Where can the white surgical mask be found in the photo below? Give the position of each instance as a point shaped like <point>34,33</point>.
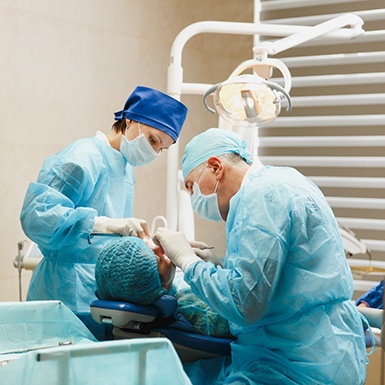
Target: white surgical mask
<point>137,151</point>
<point>205,206</point>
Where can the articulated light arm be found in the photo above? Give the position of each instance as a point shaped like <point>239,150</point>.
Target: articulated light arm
<point>354,21</point>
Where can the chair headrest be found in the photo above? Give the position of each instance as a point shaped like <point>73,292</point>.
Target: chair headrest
<point>167,305</point>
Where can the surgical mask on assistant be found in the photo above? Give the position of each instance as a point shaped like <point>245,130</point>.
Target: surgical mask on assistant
<point>205,206</point>
<point>138,151</point>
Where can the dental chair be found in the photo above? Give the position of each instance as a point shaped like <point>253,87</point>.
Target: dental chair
<point>160,319</point>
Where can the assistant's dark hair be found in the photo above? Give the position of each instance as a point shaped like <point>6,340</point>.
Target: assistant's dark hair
<point>119,126</point>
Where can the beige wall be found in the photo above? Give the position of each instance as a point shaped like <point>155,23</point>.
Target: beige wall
<point>67,65</point>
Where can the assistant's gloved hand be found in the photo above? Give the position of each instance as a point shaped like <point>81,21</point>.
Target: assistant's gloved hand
<point>202,250</point>
<point>176,247</point>
<point>123,226</point>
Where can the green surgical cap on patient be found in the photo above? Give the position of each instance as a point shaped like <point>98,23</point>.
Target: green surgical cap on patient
<point>213,142</point>
<point>127,270</point>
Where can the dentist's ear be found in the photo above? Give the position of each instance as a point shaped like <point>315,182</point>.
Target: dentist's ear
<point>216,165</point>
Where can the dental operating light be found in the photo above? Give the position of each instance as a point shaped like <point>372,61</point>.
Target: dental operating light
<point>251,99</point>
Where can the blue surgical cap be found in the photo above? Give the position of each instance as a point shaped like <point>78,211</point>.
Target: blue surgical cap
<point>213,142</point>
<point>127,270</point>
<point>156,109</point>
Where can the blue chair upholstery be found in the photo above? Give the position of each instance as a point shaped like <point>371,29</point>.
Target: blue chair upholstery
<point>162,317</point>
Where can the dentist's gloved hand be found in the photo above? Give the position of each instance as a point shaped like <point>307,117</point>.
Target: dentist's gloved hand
<point>123,226</point>
<point>203,252</point>
<point>176,247</point>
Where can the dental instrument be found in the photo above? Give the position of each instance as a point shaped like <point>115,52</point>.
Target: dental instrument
<point>93,234</point>
<point>206,247</point>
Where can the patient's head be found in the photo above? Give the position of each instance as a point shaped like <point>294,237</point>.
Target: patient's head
<point>128,270</point>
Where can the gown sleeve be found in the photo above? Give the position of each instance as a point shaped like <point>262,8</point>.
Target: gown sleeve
<point>54,212</point>
<point>257,233</point>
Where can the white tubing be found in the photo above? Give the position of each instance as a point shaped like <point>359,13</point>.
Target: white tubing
<point>155,223</point>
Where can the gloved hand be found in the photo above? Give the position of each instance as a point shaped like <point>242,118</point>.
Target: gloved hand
<point>203,252</point>
<point>123,226</point>
<point>176,247</point>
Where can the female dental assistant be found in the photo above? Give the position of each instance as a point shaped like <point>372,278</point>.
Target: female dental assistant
<point>285,286</point>
<point>88,187</point>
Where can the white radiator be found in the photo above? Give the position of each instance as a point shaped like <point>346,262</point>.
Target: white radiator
<point>335,133</point>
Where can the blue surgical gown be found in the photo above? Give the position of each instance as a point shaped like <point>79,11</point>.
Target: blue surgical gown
<point>285,289</point>
<point>87,179</point>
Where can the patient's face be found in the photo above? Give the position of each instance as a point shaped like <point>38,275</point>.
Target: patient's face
<point>166,270</point>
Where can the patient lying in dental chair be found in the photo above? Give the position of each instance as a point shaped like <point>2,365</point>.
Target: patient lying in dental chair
<point>373,298</point>
<point>131,270</point>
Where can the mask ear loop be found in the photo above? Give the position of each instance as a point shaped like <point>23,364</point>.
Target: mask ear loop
<point>216,187</point>
<point>200,176</point>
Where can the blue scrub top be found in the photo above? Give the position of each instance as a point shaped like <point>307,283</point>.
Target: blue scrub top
<point>285,288</point>
<point>87,179</point>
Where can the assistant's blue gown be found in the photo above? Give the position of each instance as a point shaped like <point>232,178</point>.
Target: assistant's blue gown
<point>285,288</point>
<point>87,179</point>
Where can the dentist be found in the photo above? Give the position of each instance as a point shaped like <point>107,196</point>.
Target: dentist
<point>285,286</point>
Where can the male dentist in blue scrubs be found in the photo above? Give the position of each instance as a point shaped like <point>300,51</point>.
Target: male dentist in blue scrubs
<point>285,286</point>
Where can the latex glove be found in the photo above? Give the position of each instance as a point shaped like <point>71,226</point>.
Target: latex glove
<point>155,248</point>
<point>203,252</point>
<point>123,226</point>
<point>176,247</point>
